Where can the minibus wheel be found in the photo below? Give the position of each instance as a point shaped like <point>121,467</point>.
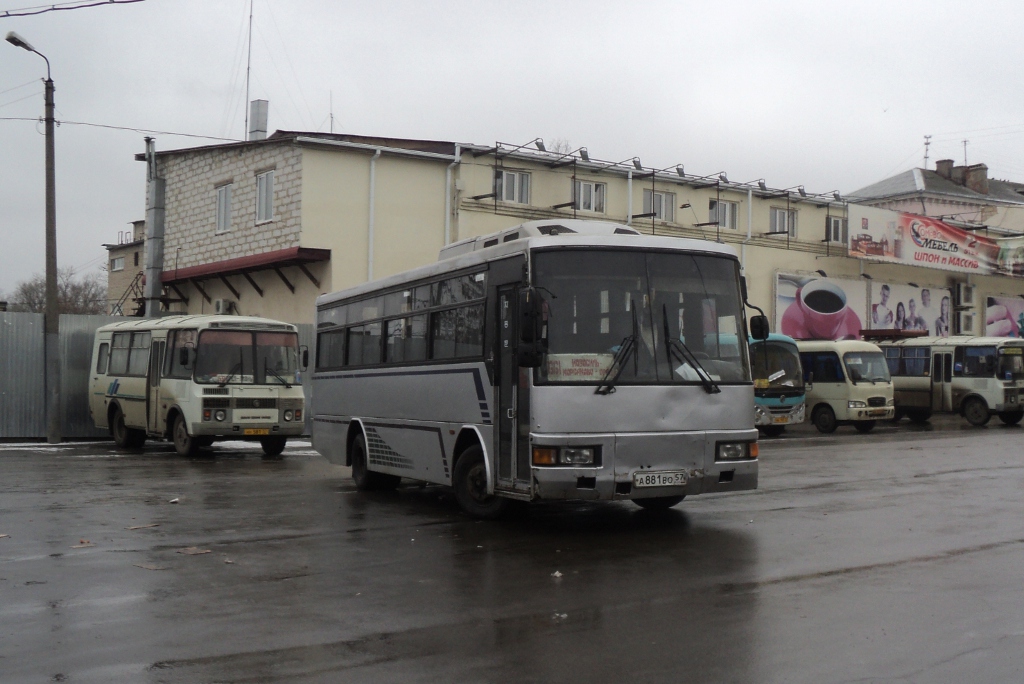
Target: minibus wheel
<point>658,503</point>
<point>864,426</point>
<point>470,482</point>
<point>919,415</point>
<point>184,444</point>
<point>976,411</point>
<point>124,436</point>
<point>1011,417</point>
<point>824,419</point>
<point>365,479</point>
<point>273,446</point>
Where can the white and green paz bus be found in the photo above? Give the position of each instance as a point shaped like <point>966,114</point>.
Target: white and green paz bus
<point>197,379</point>
<point>554,360</point>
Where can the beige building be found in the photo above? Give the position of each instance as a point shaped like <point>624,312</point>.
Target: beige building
<point>125,263</point>
<point>263,227</point>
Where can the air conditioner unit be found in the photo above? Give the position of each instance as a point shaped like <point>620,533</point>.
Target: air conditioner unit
<point>223,306</point>
<point>964,294</point>
<point>965,323</point>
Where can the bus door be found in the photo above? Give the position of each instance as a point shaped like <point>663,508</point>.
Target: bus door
<point>156,357</point>
<point>942,382</point>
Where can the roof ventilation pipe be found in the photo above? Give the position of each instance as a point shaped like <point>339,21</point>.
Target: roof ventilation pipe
<point>258,119</point>
<point>154,232</point>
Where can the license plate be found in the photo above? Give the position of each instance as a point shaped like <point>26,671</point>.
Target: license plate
<point>780,419</point>
<point>256,431</point>
<point>879,412</point>
<point>666,478</point>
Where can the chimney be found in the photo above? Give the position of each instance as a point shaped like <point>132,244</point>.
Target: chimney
<point>959,175</point>
<point>944,167</point>
<point>258,120</point>
<point>977,178</point>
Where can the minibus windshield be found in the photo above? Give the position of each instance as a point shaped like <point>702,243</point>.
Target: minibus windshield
<point>1011,363</point>
<point>866,366</point>
<point>775,365</point>
<point>243,357</point>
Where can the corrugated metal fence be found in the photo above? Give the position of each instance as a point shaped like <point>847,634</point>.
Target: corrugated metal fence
<point>22,374</point>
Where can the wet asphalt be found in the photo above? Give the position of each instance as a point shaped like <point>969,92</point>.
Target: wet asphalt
<point>896,557</point>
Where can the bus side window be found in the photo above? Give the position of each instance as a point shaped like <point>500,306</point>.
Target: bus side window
<point>169,355</point>
<point>101,359</point>
<point>807,363</point>
<point>937,368</point>
<point>119,353</point>
<point>892,359</point>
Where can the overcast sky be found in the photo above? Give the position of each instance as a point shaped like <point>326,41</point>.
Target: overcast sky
<point>823,94</point>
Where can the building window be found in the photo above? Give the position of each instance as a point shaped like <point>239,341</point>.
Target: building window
<point>265,197</point>
<point>837,229</point>
<point>512,186</point>
<point>590,196</point>
<point>117,264</point>
<point>224,208</point>
<point>783,221</point>
<point>661,203</point>
<point>724,213</point>
<point>136,258</point>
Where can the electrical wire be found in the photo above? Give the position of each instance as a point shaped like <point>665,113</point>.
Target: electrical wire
<point>124,128</point>
<point>77,4</point>
<point>20,99</point>
<point>34,80</point>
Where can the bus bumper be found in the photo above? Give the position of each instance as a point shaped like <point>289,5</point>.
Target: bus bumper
<point>229,431</point>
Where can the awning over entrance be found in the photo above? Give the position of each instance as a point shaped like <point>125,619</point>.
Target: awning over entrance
<point>245,266</point>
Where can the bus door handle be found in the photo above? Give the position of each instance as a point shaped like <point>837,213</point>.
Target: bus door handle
<point>510,413</point>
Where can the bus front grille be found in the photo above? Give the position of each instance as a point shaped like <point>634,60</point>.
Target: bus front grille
<point>216,403</point>
<point>876,401</point>
<point>255,402</point>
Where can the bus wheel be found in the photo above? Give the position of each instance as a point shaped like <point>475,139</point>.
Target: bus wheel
<point>769,431</point>
<point>1010,417</point>
<point>365,479</point>
<point>976,411</point>
<point>124,436</point>
<point>824,419</point>
<point>470,482</point>
<point>658,503</point>
<point>919,415</point>
<point>183,443</point>
<point>273,446</point>
<point>898,414</point>
<point>204,442</point>
<point>864,426</point>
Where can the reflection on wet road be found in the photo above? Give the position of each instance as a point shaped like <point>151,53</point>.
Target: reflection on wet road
<point>893,557</point>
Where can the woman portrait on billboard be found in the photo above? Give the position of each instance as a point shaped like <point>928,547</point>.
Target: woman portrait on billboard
<point>901,317</point>
<point>942,322</point>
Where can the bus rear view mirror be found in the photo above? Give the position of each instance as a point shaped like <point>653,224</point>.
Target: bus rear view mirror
<point>531,355</point>
<point>304,356</point>
<point>185,357</point>
<point>531,316</point>
<point>759,327</point>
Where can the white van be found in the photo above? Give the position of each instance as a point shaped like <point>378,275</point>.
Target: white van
<point>977,377</point>
<point>847,383</point>
<point>196,379</point>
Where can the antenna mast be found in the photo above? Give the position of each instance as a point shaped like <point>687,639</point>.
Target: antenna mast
<point>965,151</point>
<point>332,111</point>
<point>248,65</point>
<point>927,142</point>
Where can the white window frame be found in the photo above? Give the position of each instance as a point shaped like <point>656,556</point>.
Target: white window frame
<point>783,221</point>
<point>265,196</point>
<point>591,196</point>
<point>512,186</point>
<point>663,204</point>
<point>117,264</point>
<point>223,224</point>
<point>724,212</point>
<point>838,230</point>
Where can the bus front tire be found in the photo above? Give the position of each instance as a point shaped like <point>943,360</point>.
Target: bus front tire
<point>1011,417</point>
<point>771,430</point>
<point>864,426</point>
<point>976,411</point>
<point>658,503</point>
<point>824,419</point>
<point>184,444</point>
<point>124,436</point>
<point>365,479</point>
<point>273,446</point>
<point>470,480</point>
<point>919,415</point>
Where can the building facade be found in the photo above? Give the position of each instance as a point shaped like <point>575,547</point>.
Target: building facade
<point>125,263</point>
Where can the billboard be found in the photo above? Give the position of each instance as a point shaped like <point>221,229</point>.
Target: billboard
<point>907,307</point>
<point>810,307</point>
<point>1004,317</point>
<point>898,237</point>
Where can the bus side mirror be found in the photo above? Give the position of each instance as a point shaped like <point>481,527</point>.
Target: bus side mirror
<point>759,327</point>
<point>305,356</point>
<point>532,326</point>
<point>183,357</point>
<point>530,355</point>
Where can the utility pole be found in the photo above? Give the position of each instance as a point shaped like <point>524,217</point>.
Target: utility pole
<point>965,151</point>
<point>927,143</point>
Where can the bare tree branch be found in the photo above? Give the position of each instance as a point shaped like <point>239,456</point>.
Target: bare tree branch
<point>86,295</point>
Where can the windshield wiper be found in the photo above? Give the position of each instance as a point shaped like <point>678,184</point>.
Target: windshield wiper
<point>237,367</point>
<point>276,374</point>
<point>627,346</point>
<point>675,349</point>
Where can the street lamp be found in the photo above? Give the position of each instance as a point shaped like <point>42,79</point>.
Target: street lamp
<point>51,319</point>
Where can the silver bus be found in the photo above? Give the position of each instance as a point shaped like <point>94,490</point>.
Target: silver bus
<point>555,360</point>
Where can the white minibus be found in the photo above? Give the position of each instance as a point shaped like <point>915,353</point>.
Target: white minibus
<point>847,383</point>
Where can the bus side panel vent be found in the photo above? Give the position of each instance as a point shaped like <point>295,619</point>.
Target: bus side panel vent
<point>623,487</point>
<point>586,483</point>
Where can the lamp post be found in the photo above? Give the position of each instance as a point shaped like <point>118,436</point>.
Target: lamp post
<point>51,319</point>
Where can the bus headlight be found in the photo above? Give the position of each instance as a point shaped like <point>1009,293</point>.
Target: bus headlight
<point>856,404</point>
<point>577,456</point>
<point>890,402</point>
<point>736,451</point>
<point>220,415</point>
<point>566,456</point>
<point>759,413</point>
<point>288,416</point>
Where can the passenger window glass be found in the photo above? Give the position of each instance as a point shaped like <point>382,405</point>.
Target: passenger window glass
<point>366,310</point>
<point>979,362</point>
<point>364,344</point>
<point>396,303</point>
<point>138,360</point>
<point>119,353</point>
<point>457,290</point>
<point>407,339</point>
<point>101,358</point>
<point>336,315</point>
<point>915,361</point>
<point>183,339</point>
<point>330,349</point>
<point>827,368</point>
<point>458,333</point>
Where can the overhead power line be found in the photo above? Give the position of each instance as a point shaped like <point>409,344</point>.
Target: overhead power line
<point>61,6</point>
<point>123,128</point>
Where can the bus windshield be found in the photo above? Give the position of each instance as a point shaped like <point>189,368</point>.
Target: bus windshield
<point>866,366</point>
<point>598,300</point>
<point>775,365</point>
<point>1011,363</point>
<point>241,357</point>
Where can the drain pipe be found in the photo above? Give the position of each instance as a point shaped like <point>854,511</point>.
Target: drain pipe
<point>369,229</point>
<point>154,233</point>
<point>448,195</point>
<point>629,197</point>
<point>750,222</point>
